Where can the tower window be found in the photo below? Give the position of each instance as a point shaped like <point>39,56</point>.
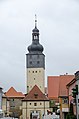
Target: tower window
<point>34,78</point>
<point>36,71</point>
<point>30,103</point>
<point>37,56</point>
<point>38,62</point>
<point>33,71</point>
<point>30,62</point>
<point>35,37</point>
<point>30,56</point>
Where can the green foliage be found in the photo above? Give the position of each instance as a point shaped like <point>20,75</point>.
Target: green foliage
<point>71,115</point>
<point>52,103</point>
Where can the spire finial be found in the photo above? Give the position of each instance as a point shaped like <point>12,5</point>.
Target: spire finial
<point>35,21</point>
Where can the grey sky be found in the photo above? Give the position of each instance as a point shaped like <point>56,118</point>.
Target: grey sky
<point>58,22</point>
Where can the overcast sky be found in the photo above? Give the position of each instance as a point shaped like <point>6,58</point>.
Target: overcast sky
<point>58,22</point>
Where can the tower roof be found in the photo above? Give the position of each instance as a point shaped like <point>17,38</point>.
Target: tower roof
<point>35,47</point>
<point>35,30</point>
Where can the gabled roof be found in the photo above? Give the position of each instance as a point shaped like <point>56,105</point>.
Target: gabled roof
<point>57,85</point>
<point>64,80</point>
<point>53,87</point>
<point>35,95</point>
<point>13,93</point>
<point>71,83</point>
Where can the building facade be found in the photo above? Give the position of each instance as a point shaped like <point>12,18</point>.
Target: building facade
<point>57,91</point>
<point>12,103</point>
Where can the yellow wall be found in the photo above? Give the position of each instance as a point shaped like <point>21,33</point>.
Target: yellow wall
<point>36,76</point>
<point>27,108</point>
<point>62,107</point>
<point>4,104</point>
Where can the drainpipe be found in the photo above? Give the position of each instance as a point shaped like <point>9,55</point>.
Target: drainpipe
<point>44,107</point>
<point>26,109</point>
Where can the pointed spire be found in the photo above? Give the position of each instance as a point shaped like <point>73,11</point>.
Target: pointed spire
<point>35,21</point>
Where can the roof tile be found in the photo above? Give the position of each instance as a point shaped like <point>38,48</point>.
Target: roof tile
<point>57,85</point>
<point>35,94</point>
<point>13,93</point>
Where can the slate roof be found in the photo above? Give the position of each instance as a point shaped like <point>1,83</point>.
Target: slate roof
<point>13,93</point>
<point>35,95</point>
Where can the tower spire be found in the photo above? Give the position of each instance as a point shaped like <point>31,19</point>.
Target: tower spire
<point>35,21</point>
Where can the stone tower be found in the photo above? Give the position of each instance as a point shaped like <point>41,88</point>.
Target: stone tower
<point>35,62</point>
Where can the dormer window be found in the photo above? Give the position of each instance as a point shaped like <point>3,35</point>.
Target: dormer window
<point>36,95</point>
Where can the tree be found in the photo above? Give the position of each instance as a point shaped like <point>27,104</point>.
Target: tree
<point>71,115</point>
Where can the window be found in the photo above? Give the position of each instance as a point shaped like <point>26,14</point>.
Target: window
<point>65,101</point>
<point>35,37</point>
<point>35,104</point>
<point>33,71</point>
<point>38,62</point>
<point>12,100</point>
<point>27,88</point>
<point>37,56</point>
<point>30,56</point>
<point>34,78</point>
<point>36,71</point>
<point>36,95</point>
<point>12,106</point>
<point>30,62</point>
<point>40,103</point>
<point>30,103</point>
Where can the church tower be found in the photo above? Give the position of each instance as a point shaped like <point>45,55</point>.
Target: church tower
<point>35,62</point>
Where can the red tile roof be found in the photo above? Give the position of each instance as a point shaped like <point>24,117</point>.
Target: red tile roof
<point>13,93</point>
<point>35,94</point>
<point>53,87</point>
<point>57,85</point>
<point>64,80</point>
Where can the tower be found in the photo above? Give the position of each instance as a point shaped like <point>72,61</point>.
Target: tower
<point>35,62</point>
<point>36,103</point>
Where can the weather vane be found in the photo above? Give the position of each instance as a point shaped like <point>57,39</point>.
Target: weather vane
<point>35,21</point>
